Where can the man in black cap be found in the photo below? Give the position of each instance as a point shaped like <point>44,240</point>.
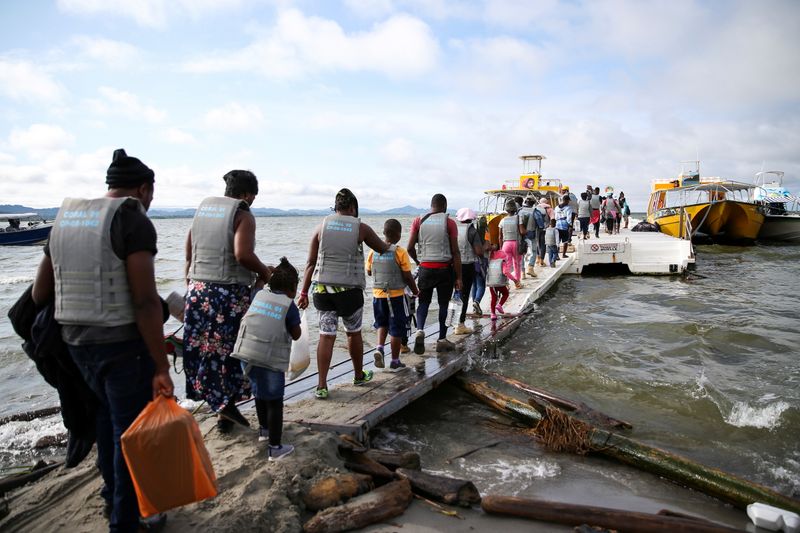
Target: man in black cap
<point>99,269</point>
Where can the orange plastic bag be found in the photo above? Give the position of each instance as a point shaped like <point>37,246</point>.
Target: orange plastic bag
<point>168,462</point>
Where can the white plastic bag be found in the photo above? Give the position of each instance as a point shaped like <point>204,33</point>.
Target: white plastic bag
<point>300,356</point>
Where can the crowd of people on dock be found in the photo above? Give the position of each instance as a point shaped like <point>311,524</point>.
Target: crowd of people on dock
<point>240,315</point>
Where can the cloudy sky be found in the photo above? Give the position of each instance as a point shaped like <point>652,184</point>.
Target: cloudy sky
<point>396,99</point>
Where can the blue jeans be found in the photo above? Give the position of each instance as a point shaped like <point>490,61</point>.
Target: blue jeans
<point>266,383</point>
<point>532,247</point>
<point>552,254</point>
<point>479,283</point>
<point>121,376</point>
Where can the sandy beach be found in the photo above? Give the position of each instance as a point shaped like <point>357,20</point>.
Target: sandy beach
<point>254,494</point>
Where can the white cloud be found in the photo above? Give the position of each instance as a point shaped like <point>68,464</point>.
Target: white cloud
<point>116,102</point>
<point>148,13</point>
<point>401,46</point>
<point>54,175</point>
<point>540,16</point>
<point>177,136</point>
<point>24,81</point>
<point>115,54</point>
<point>497,64</point>
<point>40,138</point>
<point>397,150</point>
<point>752,59</point>
<point>233,117</point>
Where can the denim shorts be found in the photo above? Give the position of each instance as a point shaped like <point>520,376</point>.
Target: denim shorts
<point>267,384</point>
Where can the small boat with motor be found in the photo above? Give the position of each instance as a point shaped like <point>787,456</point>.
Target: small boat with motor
<point>695,207</point>
<point>23,228</point>
<point>531,183</point>
<point>781,208</point>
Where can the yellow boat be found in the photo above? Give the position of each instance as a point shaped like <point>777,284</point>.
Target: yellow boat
<point>530,183</point>
<point>691,206</point>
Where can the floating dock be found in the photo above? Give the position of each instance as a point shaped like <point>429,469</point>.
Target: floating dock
<point>355,410</point>
<point>647,253</point>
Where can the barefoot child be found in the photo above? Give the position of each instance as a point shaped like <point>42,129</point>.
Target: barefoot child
<point>263,346</point>
<point>391,272</point>
<point>497,282</point>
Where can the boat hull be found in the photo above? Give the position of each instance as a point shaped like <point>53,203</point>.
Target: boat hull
<point>723,220</point>
<point>784,228</point>
<point>26,236</point>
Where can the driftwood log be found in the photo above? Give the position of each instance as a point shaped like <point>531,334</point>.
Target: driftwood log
<point>580,409</point>
<point>394,460</point>
<point>360,463</point>
<point>575,515</point>
<point>17,480</point>
<point>679,469</point>
<point>348,444</point>
<point>381,504</point>
<point>443,489</point>
<point>30,415</point>
<point>332,490</point>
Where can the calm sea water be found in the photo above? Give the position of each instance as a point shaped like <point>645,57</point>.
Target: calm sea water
<point>706,367</point>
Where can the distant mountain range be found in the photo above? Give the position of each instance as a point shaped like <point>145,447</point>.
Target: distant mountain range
<point>50,212</point>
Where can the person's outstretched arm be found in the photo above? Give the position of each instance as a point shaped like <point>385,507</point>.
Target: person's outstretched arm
<point>244,246</point>
<point>367,235</point>
<point>311,264</point>
<point>148,312</point>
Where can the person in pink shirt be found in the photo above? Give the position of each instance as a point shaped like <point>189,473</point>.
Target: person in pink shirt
<point>511,233</point>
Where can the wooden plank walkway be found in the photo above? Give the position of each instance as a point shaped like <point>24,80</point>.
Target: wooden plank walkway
<point>354,410</point>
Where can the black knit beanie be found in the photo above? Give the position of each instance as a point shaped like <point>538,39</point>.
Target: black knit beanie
<point>125,171</point>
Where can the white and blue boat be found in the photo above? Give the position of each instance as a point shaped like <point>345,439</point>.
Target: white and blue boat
<point>23,228</point>
<point>781,208</point>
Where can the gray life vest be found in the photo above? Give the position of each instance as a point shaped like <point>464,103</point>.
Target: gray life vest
<point>213,257</point>
<point>495,276</point>
<point>529,221</point>
<point>594,201</point>
<point>91,282</point>
<point>263,340</point>
<point>610,206</point>
<point>433,241</point>
<point>340,259</point>
<point>386,273</point>
<point>465,247</point>
<point>510,225</point>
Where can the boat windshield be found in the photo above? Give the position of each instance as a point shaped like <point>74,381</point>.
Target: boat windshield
<point>19,221</point>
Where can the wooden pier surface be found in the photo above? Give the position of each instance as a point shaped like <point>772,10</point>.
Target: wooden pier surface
<point>354,410</point>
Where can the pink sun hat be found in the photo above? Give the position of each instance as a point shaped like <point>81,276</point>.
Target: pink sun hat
<point>465,213</point>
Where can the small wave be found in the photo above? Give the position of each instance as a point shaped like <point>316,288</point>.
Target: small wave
<point>744,415</point>
<point>15,280</point>
<point>18,439</point>
<point>700,381</point>
<point>508,476</point>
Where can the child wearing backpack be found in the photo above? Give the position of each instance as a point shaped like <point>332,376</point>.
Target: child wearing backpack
<point>263,345</point>
<point>391,272</point>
